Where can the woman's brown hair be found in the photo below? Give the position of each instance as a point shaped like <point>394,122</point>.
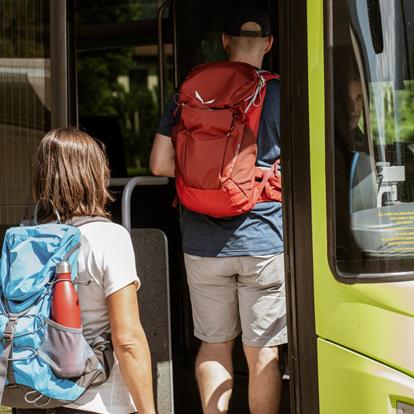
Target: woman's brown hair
<point>71,176</point>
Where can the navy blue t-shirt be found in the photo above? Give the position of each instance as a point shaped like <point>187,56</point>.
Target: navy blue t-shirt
<point>258,232</point>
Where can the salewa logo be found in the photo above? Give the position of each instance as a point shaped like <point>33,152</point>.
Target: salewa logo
<point>198,96</point>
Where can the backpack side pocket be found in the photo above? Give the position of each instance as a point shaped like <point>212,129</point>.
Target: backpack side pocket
<point>64,349</point>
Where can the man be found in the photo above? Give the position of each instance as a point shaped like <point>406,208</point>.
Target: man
<point>234,265</point>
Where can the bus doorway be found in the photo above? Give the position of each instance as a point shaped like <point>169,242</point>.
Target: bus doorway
<point>198,28</point>
<point>350,299</point>
<point>130,58</point>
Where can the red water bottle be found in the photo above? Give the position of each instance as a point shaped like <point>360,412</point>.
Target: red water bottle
<point>65,301</point>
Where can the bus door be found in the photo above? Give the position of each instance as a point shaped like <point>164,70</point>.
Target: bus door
<point>197,31</point>
<point>361,53</point>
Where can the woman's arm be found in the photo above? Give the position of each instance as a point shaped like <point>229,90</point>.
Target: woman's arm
<point>131,347</point>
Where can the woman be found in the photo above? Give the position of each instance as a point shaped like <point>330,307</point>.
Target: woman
<point>71,178</point>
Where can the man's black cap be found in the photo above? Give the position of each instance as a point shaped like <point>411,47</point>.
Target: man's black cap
<point>240,14</point>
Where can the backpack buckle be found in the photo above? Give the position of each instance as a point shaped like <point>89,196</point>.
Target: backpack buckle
<point>9,329</point>
<point>7,337</point>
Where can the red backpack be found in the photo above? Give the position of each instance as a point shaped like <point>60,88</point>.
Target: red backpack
<point>215,140</point>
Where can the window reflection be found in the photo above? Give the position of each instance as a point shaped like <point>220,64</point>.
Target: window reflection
<point>110,11</point>
<point>118,81</point>
<point>374,137</point>
<point>25,100</point>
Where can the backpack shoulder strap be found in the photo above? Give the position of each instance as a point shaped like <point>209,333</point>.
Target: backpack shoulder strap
<point>267,76</point>
<point>254,108</point>
<point>80,221</point>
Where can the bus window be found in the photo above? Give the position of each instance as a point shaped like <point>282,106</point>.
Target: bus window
<point>118,80</point>
<point>373,133</point>
<point>25,101</point>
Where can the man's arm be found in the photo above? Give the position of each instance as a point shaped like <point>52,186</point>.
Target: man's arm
<point>162,158</point>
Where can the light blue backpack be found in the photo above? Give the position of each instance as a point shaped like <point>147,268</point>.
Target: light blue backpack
<point>43,364</point>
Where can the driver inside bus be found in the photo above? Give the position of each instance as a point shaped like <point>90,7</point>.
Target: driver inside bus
<point>362,173</point>
<point>355,106</point>
<point>349,106</point>
<point>355,176</point>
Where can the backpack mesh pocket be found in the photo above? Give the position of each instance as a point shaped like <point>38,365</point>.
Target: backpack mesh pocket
<point>65,350</point>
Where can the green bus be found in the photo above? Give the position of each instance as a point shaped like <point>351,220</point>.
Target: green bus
<point>347,126</point>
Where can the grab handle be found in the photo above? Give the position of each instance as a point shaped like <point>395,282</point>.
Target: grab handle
<point>161,57</point>
<point>129,184</point>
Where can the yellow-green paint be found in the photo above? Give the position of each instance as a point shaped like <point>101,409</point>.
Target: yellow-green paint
<point>359,385</point>
<point>317,132</point>
<point>375,320</point>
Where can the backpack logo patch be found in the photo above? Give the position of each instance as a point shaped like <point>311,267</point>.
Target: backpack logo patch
<point>198,96</point>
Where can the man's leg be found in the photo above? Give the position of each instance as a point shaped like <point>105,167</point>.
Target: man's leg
<point>265,384</point>
<point>214,373</point>
<point>261,291</point>
<point>214,302</point>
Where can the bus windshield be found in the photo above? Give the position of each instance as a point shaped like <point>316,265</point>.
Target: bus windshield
<point>373,52</point>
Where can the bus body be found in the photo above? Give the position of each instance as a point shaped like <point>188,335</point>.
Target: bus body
<point>363,285</point>
<point>347,125</point>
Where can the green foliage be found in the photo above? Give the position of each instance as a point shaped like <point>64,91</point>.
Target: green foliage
<point>140,117</point>
<point>25,27</point>
<point>107,11</point>
<point>98,86</point>
<point>100,91</point>
<point>392,113</point>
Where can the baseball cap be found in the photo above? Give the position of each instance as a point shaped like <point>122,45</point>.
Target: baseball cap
<point>244,13</point>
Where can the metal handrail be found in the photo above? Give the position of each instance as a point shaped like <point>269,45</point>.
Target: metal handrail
<point>161,71</point>
<point>129,184</point>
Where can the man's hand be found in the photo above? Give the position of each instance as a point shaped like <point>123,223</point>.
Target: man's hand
<point>162,158</point>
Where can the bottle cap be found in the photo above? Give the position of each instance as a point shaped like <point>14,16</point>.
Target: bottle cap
<point>63,267</point>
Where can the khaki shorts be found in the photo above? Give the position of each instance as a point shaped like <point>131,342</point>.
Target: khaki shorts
<point>237,294</point>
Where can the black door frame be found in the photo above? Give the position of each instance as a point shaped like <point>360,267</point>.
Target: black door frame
<point>63,63</point>
<point>297,207</point>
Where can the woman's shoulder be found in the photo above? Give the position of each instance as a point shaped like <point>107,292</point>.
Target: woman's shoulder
<point>105,233</point>
<point>102,223</point>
